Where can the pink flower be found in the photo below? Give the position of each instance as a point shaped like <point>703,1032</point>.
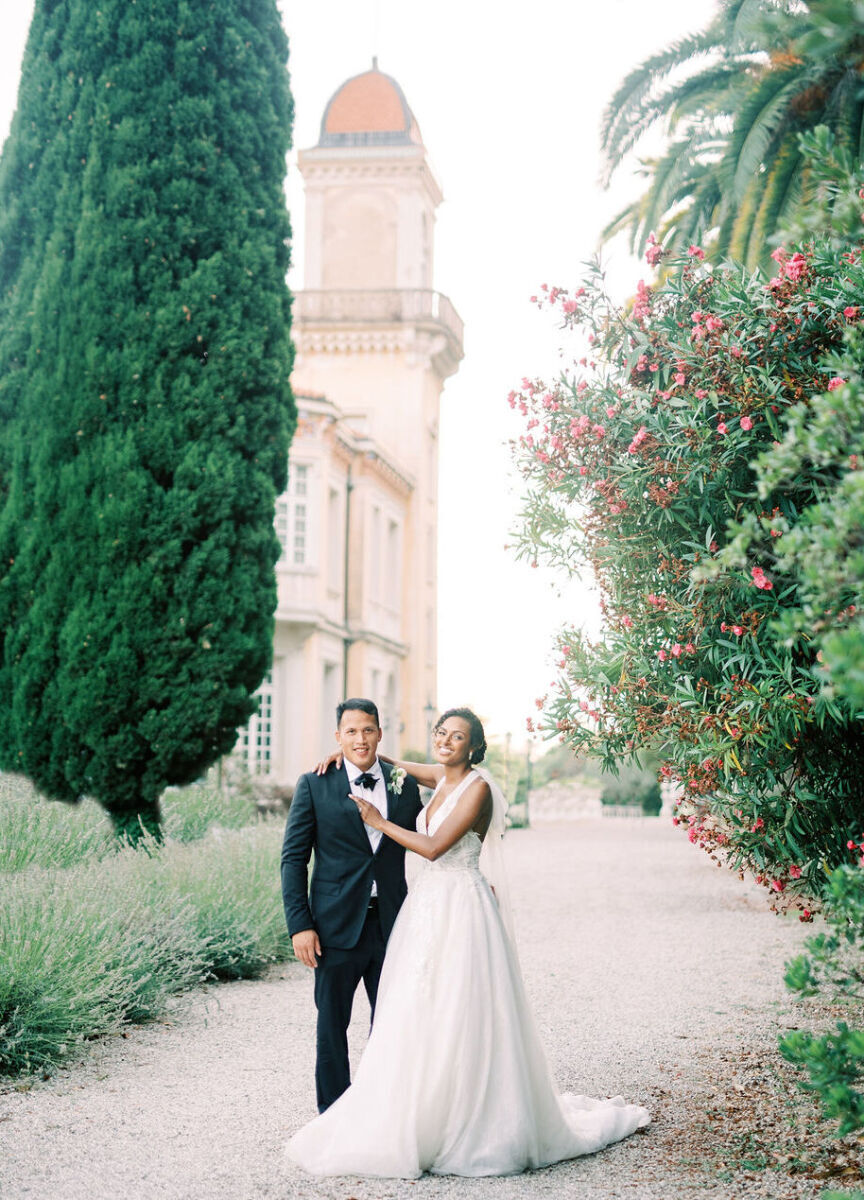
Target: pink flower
<point>713,324</point>
<point>696,252</point>
<point>610,410</point>
<point>794,872</point>
<point>642,306</point>
<point>569,306</point>
<point>583,470</point>
<point>701,393</point>
<point>735,351</point>
<point>721,428</point>
<point>661,654</point>
<point>723,626</point>
<point>777,885</point>
<point>761,580</point>
<point>737,630</point>
<point>679,378</point>
<point>654,252</point>
<point>747,423</point>
<point>676,650</point>
<point>851,312</point>
<point>627,621</point>
<point>850,845</point>
<point>835,383</point>
<point>795,267</point>
<point>689,648</point>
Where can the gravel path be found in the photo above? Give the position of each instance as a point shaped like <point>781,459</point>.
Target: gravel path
<point>648,969</point>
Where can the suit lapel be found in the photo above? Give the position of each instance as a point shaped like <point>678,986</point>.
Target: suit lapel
<point>340,792</point>
<point>391,800</point>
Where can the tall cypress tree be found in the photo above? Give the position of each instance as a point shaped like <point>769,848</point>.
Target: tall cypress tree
<point>145,409</point>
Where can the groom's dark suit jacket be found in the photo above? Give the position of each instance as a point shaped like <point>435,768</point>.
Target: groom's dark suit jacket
<point>323,820</point>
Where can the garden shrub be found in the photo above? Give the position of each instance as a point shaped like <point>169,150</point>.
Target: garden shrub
<point>84,950</point>
<point>640,466</point>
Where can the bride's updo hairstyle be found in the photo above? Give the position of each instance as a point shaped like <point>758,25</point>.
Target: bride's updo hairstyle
<point>478,737</point>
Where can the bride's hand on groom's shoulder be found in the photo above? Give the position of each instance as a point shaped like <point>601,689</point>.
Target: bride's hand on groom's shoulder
<point>322,767</point>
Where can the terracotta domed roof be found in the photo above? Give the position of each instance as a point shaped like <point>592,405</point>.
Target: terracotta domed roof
<point>369,110</point>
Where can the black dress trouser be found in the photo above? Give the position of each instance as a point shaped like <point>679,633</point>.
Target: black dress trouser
<point>336,978</point>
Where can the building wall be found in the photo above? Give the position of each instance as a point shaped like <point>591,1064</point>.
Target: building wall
<point>374,346</point>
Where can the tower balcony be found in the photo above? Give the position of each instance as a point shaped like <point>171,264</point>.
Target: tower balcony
<point>382,308</point>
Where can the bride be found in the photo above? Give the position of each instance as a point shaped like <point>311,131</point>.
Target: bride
<point>453,1079</point>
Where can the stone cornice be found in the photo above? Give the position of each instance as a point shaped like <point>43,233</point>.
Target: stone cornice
<point>433,351</point>
<point>350,444</point>
<point>420,323</point>
<point>378,463</point>
<point>335,166</point>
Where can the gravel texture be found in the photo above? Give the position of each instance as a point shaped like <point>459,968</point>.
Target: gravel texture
<point>651,972</point>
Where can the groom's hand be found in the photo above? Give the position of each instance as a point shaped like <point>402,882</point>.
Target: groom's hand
<point>307,948</point>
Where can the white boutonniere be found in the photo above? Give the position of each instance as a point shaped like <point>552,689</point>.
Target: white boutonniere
<point>397,778</point>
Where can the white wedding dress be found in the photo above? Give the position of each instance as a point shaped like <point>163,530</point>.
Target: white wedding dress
<point>453,1079</point>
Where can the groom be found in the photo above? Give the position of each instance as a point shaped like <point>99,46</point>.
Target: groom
<point>340,920</point>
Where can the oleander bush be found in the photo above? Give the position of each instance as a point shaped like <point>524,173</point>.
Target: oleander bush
<point>88,948</point>
<point>703,459</point>
<point>833,964</point>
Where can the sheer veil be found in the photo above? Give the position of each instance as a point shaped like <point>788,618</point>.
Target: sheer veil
<point>492,854</point>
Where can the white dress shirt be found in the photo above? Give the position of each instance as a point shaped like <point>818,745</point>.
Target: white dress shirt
<point>376,796</point>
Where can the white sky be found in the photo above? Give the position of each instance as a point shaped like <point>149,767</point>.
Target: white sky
<point>508,97</point>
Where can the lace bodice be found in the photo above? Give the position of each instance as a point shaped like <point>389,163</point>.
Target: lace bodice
<point>465,854</point>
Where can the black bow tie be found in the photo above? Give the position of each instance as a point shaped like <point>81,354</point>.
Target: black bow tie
<point>366,780</point>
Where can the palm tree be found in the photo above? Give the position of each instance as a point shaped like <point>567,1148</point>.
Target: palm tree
<point>735,99</point>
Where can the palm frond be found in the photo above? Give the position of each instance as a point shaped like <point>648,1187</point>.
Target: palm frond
<point>781,193</point>
<point>699,94</point>
<point>694,223</point>
<point>734,99</point>
<point>634,95</point>
<point>745,20</point>
<point>759,122</point>
<point>842,109</point>
<point>675,178</point>
<point>626,219</point>
<point>745,212</point>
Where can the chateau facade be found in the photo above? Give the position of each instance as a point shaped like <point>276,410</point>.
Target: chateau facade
<point>357,610</point>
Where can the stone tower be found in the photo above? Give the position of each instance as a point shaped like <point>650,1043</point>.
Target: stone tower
<point>378,342</point>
